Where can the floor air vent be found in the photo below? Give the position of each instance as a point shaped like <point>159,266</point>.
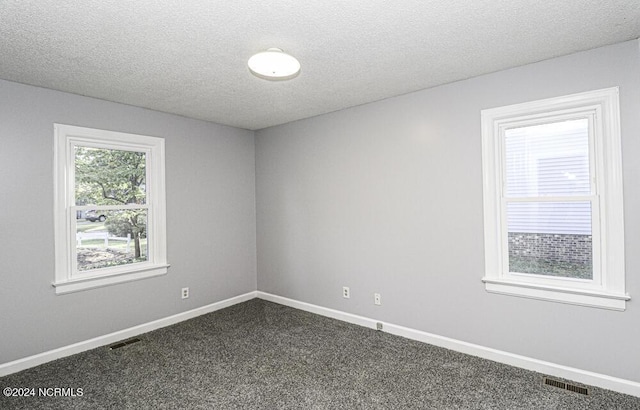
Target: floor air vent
<point>577,389</point>
<point>566,386</point>
<point>123,344</point>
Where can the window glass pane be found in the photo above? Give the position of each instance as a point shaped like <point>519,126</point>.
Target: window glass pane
<point>111,238</point>
<point>109,176</point>
<point>550,238</point>
<point>548,159</point>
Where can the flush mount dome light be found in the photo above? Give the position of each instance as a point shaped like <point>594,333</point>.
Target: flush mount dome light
<point>274,64</point>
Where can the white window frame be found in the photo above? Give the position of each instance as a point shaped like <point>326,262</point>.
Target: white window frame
<point>67,278</point>
<point>607,288</point>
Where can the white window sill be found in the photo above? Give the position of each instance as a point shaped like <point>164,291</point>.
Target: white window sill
<point>590,298</point>
<point>76,285</point>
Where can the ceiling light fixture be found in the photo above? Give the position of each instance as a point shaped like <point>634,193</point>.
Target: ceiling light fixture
<point>274,64</point>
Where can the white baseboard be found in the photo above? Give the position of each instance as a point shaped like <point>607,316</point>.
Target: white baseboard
<point>38,359</point>
<point>540,366</point>
<point>548,368</point>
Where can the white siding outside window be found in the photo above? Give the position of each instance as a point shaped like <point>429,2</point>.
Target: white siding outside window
<point>544,161</point>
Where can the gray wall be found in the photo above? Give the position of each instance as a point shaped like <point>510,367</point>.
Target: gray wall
<point>210,172</point>
<point>387,197</point>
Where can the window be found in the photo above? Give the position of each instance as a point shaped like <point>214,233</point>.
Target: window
<point>553,212</point>
<point>109,208</point>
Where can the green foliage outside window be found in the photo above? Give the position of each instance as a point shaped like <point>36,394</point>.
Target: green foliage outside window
<point>114,177</point>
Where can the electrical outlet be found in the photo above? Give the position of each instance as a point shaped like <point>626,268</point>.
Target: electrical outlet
<point>185,293</point>
<point>377,300</point>
<point>346,293</point>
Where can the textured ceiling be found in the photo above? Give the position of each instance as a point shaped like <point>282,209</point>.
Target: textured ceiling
<point>189,57</point>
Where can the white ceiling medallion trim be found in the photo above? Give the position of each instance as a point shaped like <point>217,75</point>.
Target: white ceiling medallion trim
<point>274,64</point>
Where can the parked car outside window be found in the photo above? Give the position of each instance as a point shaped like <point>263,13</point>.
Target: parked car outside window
<point>94,216</point>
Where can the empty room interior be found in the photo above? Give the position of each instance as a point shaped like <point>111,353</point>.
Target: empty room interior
<point>320,204</point>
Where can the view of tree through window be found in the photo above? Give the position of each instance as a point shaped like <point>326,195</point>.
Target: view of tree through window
<point>110,188</point>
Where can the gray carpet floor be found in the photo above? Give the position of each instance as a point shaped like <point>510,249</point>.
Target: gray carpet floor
<point>260,355</point>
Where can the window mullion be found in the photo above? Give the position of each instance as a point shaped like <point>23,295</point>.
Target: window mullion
<point>110,207</point>
<point>549,198</point>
